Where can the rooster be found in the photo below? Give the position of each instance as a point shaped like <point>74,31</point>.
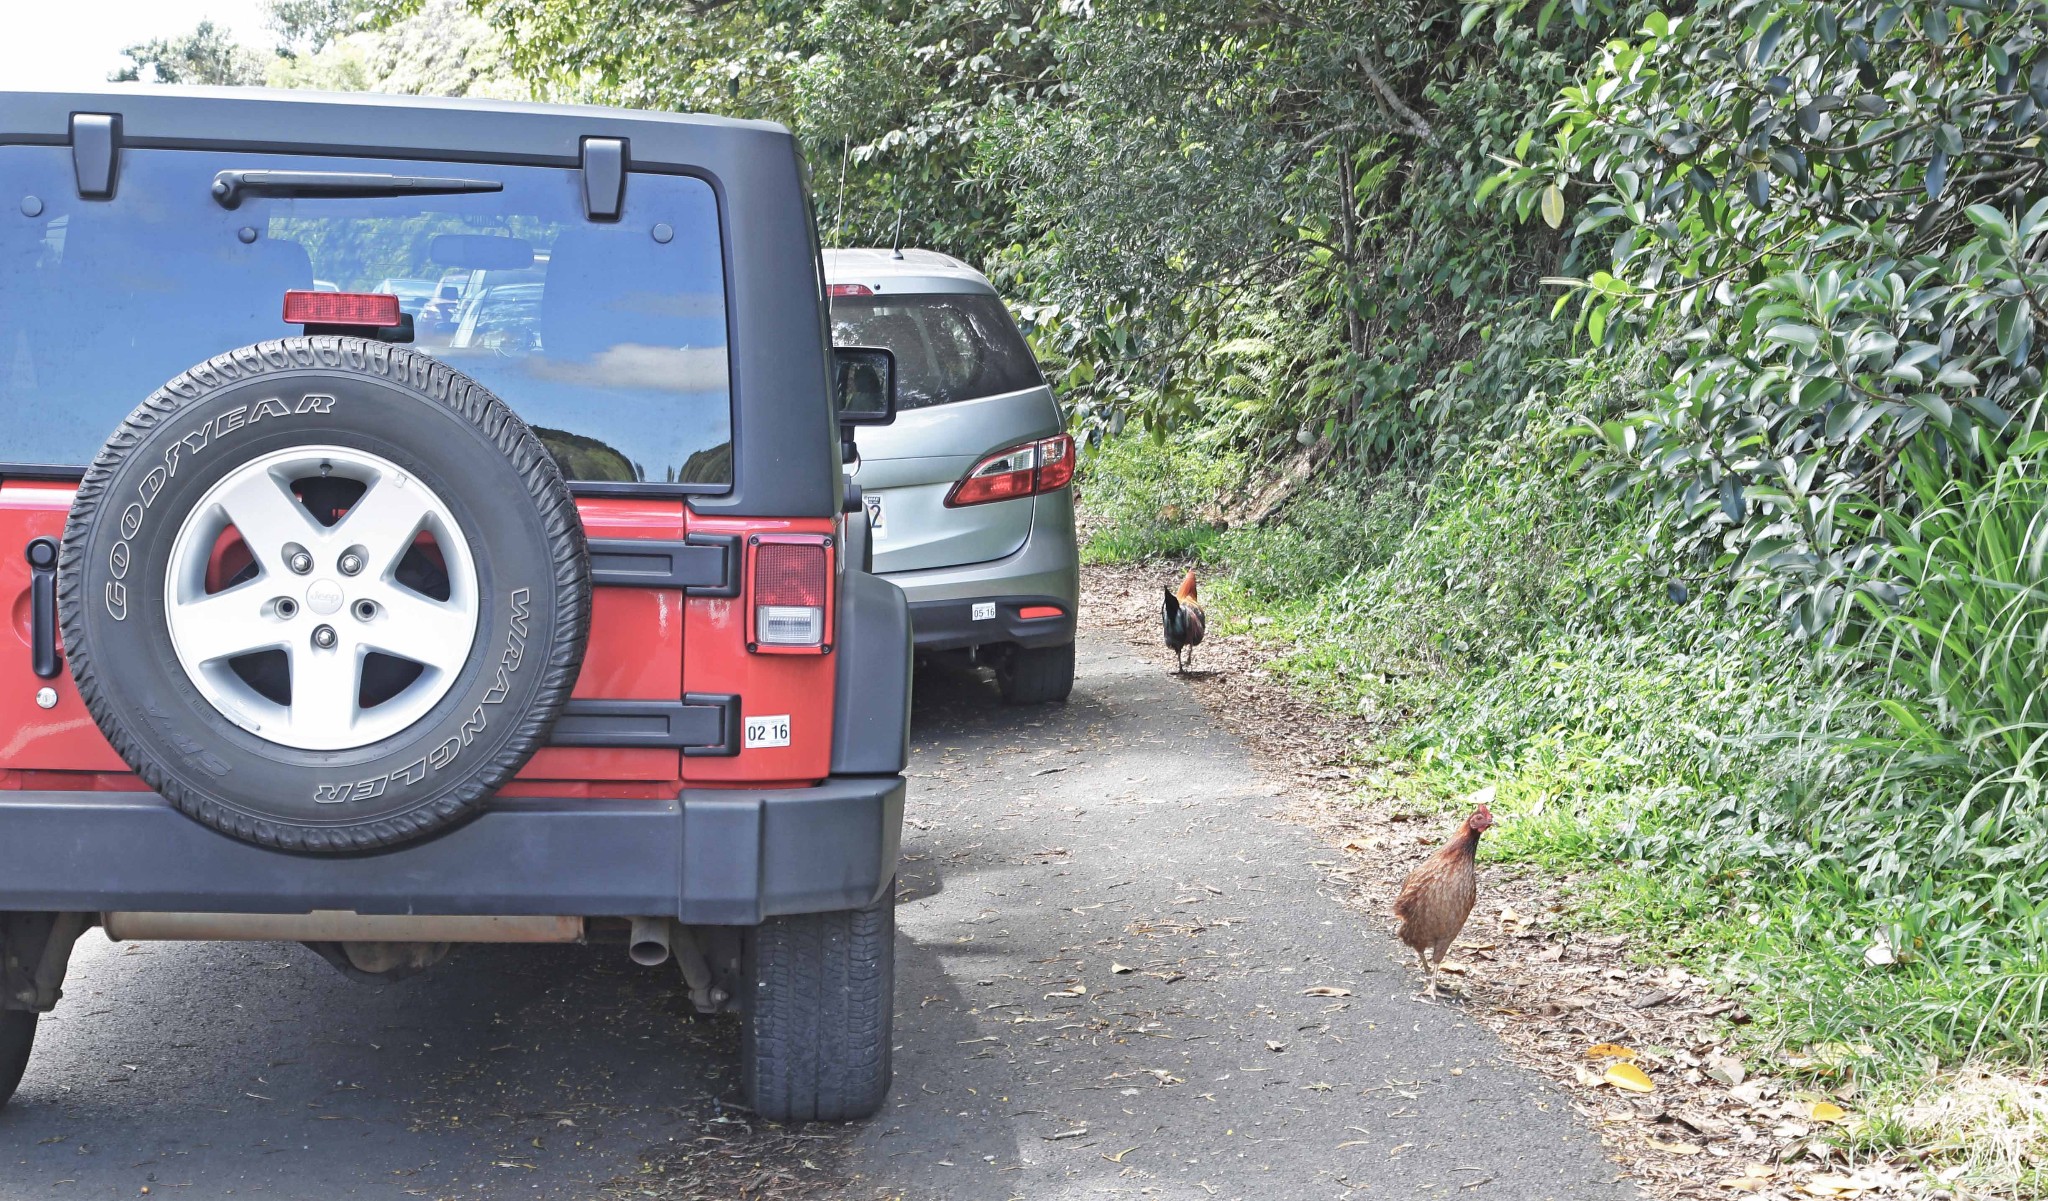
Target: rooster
<point>1437,897</point>
<point>1184,623</point>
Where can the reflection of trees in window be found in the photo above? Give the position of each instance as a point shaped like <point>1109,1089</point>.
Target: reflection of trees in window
<point>358,252</point>
<point>709,466</point>
<point>585,458</point>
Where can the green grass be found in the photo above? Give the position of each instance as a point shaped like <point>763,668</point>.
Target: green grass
<point>1148,500</point>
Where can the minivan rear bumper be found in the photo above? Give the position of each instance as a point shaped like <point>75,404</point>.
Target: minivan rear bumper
<point>708,857</point>
<point>1046,570</point>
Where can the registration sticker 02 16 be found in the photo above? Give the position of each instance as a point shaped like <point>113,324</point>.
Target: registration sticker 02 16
<point>767,731</point>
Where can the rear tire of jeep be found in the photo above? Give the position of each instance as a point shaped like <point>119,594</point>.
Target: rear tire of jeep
<point>17,1037</point>
<point>324,594</point>
<point>1037,675</point>
<point>814,1043</point>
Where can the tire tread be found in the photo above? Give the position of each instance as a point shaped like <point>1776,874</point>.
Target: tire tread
<point>1037,675</point>
<point>820,1017</point>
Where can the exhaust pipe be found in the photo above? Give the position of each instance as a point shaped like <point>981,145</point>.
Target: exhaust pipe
<point>334,925</point>
<point>649,941</point>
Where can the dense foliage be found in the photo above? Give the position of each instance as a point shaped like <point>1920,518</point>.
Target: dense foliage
<point>1829,217</point>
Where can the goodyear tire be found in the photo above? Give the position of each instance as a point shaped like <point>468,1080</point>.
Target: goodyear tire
<point>324,594</point>
<point>816,1024</point>
<point>17,1036</point>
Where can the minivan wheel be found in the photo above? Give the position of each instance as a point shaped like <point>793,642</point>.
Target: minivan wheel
<point>17,1036</point>
<point>1035,675</point>
<point>820,1007</point>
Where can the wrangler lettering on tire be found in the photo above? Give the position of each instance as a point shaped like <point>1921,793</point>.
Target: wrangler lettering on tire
<point>324,594</point>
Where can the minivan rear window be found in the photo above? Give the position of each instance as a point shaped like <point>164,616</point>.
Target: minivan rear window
<point>949,345</point>
<point>608,338</point>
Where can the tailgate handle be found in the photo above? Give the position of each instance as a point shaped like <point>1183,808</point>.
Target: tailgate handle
<point>42,608</point>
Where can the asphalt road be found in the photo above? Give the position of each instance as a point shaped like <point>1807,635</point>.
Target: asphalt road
<point>1118,977</point>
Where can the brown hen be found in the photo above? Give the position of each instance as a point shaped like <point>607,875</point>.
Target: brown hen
<point>1438,896</point>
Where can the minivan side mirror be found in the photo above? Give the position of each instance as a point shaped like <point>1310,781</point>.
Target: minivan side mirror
<point>865,378</point>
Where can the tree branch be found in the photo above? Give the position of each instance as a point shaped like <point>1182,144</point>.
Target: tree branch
<point>1394,106</point>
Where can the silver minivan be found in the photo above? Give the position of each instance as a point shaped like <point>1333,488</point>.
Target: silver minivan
<point>967,494</point>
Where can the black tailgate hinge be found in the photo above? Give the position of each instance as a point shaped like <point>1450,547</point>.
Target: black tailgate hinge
<point>699,724</point>
<point>700,565</point>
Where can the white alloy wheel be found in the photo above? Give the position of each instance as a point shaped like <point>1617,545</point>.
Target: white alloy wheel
<point>334,599</point>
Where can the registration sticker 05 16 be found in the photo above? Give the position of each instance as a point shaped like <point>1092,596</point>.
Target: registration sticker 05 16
<point>984,611</point>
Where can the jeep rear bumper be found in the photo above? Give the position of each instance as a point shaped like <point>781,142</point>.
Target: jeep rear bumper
<point>710,857</point>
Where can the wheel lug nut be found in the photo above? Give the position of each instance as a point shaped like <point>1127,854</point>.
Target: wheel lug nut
<point>324,637</point>
<point>351,563</point>
<point>300,562</point>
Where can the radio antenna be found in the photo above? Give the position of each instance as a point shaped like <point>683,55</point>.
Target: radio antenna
<point>839,218</point>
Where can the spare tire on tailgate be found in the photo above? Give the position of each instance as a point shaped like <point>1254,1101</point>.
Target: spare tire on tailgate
<point>324,594</point>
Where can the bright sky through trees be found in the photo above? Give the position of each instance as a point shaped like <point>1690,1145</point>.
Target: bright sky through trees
<point>77,44</point>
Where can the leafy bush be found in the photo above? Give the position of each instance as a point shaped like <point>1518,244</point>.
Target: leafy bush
<point>1826,216</point>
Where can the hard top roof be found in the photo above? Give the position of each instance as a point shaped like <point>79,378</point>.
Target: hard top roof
<point>376,124</point>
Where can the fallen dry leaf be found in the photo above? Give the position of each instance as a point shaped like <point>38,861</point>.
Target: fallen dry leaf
<point>1325,990</point>
<point>1628,1076</point>
<point>1826,1111</point>
<point>1745,1184</point>
<point>1611,1051</point>
<point>1118,969</point>
<point>1675,1148</point>
<point>1725,1068</point>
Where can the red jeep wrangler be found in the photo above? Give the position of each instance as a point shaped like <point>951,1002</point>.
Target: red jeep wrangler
<point>534,620</point>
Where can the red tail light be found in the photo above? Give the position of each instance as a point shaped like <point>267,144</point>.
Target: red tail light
<point>1027,470</point>
<point>790,582</point>
<point>378,309</point>
<point>849,290</point>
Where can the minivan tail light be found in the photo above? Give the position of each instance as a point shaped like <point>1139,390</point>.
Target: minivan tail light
<point>1043,466</point>
<point>376,309</point>
<point>790,585</point>
<point>849,290</point>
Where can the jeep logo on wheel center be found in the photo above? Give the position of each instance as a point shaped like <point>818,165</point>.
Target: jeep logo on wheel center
<point>324,596</point>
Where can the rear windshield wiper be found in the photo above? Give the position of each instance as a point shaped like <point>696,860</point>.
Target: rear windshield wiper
<point>230,186</point>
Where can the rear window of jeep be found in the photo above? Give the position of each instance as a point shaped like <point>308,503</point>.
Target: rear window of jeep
<point>608,338</point>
